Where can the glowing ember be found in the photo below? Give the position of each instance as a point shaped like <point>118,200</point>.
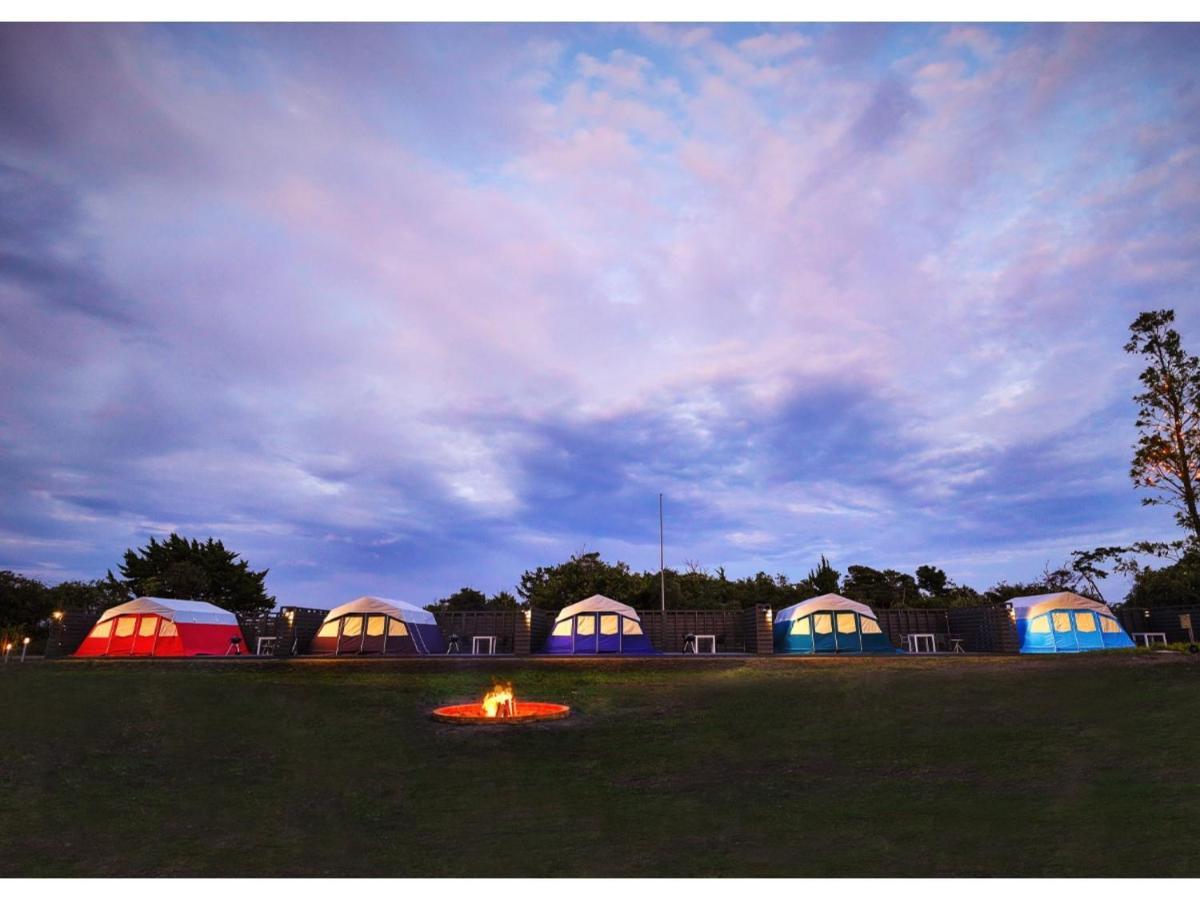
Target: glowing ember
<point>500,702</point>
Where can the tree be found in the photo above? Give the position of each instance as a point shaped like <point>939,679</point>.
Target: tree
<point>502,600</point>
<point>88,596</point>
<point>1175,585</point>
<point>25,605</point>
<point>468,598</point>
<point>584,574</point>
<point>183,569</point>
<point>931,580</point>
<point>885,589</point>
<point>1167,455</point>
<point>824,579</point>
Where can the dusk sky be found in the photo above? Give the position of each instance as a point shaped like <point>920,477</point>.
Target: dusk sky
<point>400,309</point>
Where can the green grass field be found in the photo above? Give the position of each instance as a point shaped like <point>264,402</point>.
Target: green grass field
<point>785,767</point>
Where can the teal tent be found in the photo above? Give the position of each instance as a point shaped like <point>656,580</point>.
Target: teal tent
<point>829,624</point>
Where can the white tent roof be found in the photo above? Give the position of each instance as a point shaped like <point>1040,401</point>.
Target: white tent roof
<point>194,612</point>
<point>1028,607</point>
<point>397,609</point>
<point>824,603</point>
<point>597,603</point>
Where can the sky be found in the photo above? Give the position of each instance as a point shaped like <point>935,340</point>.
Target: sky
<point>399,309</point>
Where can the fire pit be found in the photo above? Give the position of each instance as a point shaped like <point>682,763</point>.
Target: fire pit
<point>500,707</point>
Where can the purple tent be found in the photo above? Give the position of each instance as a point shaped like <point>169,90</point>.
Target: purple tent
<point>598,625</point>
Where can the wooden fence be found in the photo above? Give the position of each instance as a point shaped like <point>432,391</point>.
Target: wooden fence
<point>985,629</point>
<point>669,630</point>
<point>510,627</point>
<point>68,632</point>
<point>295,627</point>
<point>1161,620</point>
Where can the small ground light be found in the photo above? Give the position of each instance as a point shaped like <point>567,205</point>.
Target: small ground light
<point>24,647</point>
<point>57,615</point>
<point>7,650</point>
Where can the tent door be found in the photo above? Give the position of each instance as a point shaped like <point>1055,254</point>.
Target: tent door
<point>1087,630</point>
<point>847,641</point>
<point>1062,626</point>
<point>609,640</point>
<point>585,633</point>
<point>124,629</point>
<point>145,636</point>
<point>350,637</point>
<point>374,634</point>
<point>823,638</point>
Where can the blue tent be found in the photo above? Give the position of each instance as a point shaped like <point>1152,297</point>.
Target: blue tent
<point>829,624</point>
<point>598,624</point>
<point>1065,623</point>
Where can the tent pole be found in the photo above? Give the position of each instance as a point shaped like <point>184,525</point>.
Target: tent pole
<point>662,572</point>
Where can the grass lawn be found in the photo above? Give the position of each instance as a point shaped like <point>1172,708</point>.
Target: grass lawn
<point>785,767</point>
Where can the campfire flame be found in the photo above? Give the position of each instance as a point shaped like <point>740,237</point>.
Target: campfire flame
<point>500,701</point>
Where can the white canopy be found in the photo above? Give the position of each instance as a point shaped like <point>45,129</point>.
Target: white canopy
<point>1028,607</point>
<point>824,603</point>
<point>397,609</point>
<point>193,612</point>
<point>597,603</point>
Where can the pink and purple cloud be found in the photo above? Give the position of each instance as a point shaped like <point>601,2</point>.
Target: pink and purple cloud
<point>403,308</point>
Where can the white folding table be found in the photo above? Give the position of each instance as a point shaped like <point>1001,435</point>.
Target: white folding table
<point>917,641</point>
<point>484,640</point>
<point>712,643</point>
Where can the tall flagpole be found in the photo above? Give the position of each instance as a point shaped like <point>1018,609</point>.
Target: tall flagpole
<point>662,573</point>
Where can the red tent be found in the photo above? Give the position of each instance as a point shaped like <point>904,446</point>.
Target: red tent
<point>149,626</point>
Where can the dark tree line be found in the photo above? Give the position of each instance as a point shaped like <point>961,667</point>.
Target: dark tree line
<point>584,574</point>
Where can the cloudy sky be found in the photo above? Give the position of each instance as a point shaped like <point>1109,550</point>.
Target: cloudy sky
<point>399,309</point>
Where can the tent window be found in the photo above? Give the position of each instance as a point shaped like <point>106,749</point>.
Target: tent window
<point>375,626</point>
<point>870,626</point>
<point>1040,625</point>
<point>353,626</point>
<point>845,623</point>
<point>329,629</point>
<point>629,626</point>
<point>1085,621</point>
<point>1062,621</point>
<point>104,629</point>
<point>168,629</point>
<point>1109,625</point>
<point>802,626</point>
<point>396,628</point>
<point>608,624</point>
<point>125,626</point>
<point>562,629</point>
<point>823,623</point>
<point>585,625</point>
<point>148,626</point>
